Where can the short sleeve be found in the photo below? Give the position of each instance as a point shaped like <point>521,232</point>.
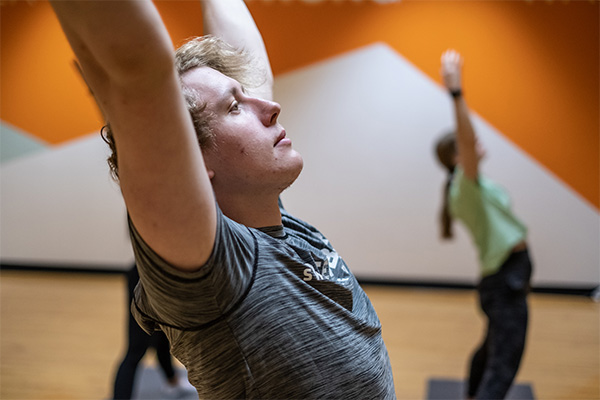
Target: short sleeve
<point>189,300</point>
<point>465,200</point>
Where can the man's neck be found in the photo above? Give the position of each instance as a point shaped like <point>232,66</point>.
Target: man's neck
<point>254,212</point>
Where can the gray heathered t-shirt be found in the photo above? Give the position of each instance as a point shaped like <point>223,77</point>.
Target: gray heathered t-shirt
<point>275,313</point>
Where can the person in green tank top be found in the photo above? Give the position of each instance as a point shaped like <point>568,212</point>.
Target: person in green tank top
<point>483,207</point>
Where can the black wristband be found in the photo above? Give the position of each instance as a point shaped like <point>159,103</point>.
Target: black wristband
<point>456,93</point>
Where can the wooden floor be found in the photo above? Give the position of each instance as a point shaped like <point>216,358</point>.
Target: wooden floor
<point>63,333</point>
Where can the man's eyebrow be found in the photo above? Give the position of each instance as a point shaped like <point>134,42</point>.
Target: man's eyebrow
<point>230,92</point>
<point>233,91</point>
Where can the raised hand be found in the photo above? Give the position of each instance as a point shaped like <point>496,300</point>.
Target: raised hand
<point>452,63</point>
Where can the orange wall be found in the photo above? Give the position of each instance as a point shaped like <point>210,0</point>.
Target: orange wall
<point>532,67</point>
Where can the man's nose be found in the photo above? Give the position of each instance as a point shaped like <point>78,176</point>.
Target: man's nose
<point>270,112</point>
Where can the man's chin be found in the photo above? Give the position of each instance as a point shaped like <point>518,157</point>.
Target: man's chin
<point>294,174</point>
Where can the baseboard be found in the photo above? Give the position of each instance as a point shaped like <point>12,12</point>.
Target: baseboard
<point>587,290</point>
<point>424,284</point>
<point>72,268</point>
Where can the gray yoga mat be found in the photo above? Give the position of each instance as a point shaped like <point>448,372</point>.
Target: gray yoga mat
<point>150,381</point>
<point>454,389</point>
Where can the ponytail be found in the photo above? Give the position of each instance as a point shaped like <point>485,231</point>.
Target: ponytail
<point>446,152</point>
<point>445,217</point>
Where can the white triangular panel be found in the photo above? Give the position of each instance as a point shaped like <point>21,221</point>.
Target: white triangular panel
<point>61,208</point>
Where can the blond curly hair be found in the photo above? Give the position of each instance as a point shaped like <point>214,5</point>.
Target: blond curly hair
<point>205,51</point>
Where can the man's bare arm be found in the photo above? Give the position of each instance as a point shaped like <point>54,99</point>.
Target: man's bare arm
<point>231,21</point>
<point>127,59</point>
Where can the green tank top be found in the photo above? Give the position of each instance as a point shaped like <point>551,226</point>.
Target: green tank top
<point>484,208</point>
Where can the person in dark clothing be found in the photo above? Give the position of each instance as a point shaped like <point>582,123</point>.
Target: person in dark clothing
<point>138,343</point>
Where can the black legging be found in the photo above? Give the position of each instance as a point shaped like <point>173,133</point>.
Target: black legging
<point>139,341</point>
<point>503,298</point>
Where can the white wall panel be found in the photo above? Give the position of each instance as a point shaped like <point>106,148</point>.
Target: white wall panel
<point>60,208</point>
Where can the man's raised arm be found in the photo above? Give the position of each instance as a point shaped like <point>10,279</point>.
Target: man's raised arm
<point>231,21</point>
<point>127,59</point>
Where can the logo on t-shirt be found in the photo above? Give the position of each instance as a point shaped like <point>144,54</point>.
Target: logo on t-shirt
<point>315,272</point>
<point>329,268</point>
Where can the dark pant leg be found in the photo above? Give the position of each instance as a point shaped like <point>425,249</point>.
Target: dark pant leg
<point>477,366</point>
<point>504,300</point>
<point>138,343</point>
<point>163,353</point>
<point>506,345</point>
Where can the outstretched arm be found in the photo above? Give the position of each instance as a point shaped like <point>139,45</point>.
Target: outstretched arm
<point>127,59</point>
<point>466,139</point>
<point>231,21</point>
